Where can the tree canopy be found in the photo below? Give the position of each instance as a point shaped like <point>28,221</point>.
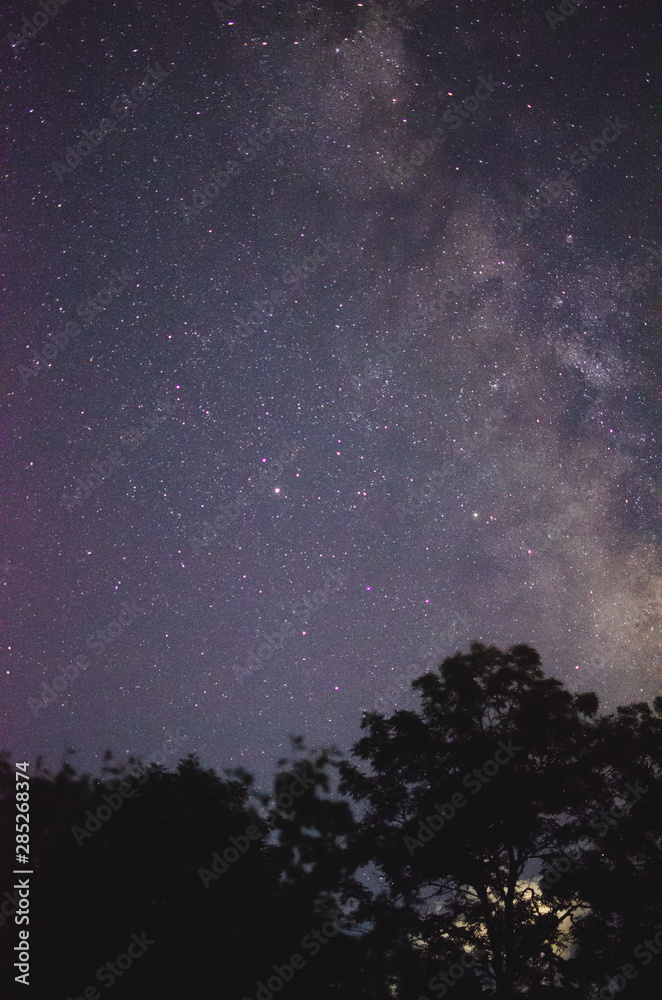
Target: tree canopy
<point>504,840</point>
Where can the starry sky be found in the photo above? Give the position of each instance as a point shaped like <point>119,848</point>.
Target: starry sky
<point>330,348</point>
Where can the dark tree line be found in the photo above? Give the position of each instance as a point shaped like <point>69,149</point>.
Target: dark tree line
<point>503,841</point>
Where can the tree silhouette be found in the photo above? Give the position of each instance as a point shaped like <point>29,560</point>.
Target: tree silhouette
<point>462,804</point>
<point>616,874</point>
<point>505,841</point>
<point>187,860</point>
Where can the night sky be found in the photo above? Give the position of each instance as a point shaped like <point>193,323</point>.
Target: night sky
<point>329,350</point>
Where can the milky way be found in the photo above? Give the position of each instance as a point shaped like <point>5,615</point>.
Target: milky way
<point>330,350</point>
